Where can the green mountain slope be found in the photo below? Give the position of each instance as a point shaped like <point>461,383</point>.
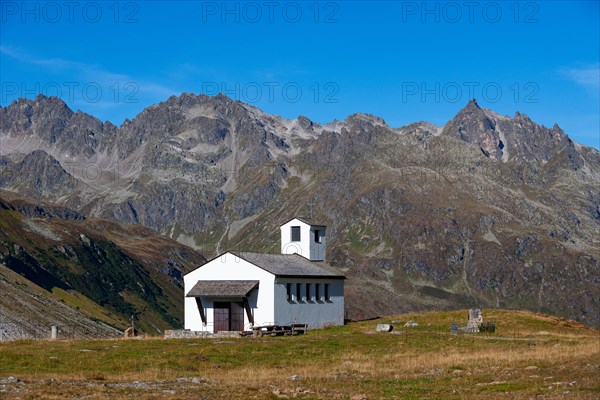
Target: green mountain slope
<point>104,270</point>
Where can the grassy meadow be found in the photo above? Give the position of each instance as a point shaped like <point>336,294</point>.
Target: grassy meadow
<point>529,356</point>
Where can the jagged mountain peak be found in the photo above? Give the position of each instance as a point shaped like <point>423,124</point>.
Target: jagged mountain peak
<point>523,118</point>
<point>305,122</point>
<point>420,130</point>
<point>504,138</point>
<point>366,118</point>
<point>472,104</point>
<point>472,125</point>
<point>188,100</point>
<point>188,103</point>
<point>49,123</point>
<point>472,110</point>
<point>40,99</point>
<point>354,121</point>
<point>41,104</point>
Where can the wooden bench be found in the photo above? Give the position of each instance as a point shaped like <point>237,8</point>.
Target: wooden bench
<point>299,328</point>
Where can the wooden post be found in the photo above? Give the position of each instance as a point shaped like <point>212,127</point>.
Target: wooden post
<point>201,310</point>
<point>248,310</point>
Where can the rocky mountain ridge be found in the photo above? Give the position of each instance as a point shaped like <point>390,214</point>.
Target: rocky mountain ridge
<point>487,210</point>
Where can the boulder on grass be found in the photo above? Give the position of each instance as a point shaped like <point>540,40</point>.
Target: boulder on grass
<point>384,328</point>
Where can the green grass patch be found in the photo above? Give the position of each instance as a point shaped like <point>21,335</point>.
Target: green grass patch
<point>339,362</point>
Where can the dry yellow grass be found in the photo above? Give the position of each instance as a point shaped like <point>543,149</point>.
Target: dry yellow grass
<point>531,356</point>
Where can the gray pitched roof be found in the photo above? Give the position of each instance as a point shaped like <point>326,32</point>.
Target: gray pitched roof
<point>305,220</point>
<point>290,265</point>
<point>222,288</point>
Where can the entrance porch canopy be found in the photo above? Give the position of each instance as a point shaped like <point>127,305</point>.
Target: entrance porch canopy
<point>223,289</point>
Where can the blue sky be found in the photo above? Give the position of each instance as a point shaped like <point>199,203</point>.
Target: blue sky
<point>404,61</point>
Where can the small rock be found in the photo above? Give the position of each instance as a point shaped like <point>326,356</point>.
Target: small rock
<point>190,380</point>
<point>277,393</point>
<point>295,378</point>
<point>531,368</point>
<point>10,379</point>
<point>490,383</point>
<point>384,328</point>
<point>411,324</point>
<point>434,371</point>
<point>85,239</point>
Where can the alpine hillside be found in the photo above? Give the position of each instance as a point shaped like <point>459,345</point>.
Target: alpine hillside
<point>86,275</point>
<point>488,210</point>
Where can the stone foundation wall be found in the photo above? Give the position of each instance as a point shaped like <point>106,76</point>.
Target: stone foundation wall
<point>188,334</point>
<point>185,334</point>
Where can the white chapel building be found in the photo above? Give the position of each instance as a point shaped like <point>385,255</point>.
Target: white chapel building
<point>236,291</point>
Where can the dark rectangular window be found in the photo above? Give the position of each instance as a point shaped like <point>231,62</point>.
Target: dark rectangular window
<point>298,292</point>
<point>317,291</point>
<point>327,298</point>
<point>317,236</point>
<point>295,233</point>
<point>308,298</point>
<point>288,288</point>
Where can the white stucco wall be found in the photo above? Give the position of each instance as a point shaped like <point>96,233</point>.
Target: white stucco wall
<point>306,247</point>
<point>229,267</point>
<point>316,314</point>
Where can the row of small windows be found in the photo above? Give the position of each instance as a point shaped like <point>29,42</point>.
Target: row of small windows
<point>309,293</point>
